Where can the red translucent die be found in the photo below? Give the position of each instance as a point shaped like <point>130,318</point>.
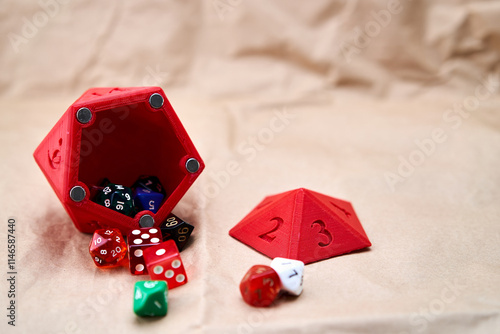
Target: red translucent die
<point>302,225</point>
<point>260,286</point>
<point>138,241</point>
<point>107,247</point>
<point>164,263</point>
<point>119,134</point>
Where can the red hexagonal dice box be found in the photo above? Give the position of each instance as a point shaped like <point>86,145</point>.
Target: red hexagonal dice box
<point>119,134</point>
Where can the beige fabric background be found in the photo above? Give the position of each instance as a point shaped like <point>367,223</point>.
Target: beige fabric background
<point>392,106</point>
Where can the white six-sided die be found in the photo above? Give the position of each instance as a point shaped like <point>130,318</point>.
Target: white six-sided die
<point>291,273</point>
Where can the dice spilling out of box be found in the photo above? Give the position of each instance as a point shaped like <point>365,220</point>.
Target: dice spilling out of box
<point>89,141</point>
<point>151,250</point>
<point>147,253</point>
<point>155,252</point>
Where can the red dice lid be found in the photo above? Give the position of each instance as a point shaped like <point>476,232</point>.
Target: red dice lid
<point>302,225</point>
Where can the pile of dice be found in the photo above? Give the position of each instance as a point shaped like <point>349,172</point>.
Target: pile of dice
<point>147,193</point>
<point>153,251</point>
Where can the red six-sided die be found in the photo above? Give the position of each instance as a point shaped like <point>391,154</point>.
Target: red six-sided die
<point>164,263</point>
<point>138,241</point>
<point>107,247</point>
<point>260,286</point>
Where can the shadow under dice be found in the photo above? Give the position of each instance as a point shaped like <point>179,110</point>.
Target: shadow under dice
<point>107,247</point>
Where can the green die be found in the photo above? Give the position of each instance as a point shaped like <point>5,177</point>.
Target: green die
<point>117,197</point>
<point>150,298</point>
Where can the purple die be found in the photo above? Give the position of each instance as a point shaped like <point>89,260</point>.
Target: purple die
<point>146,199</point>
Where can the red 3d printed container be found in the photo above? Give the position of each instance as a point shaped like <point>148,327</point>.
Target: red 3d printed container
<point>119,134</point>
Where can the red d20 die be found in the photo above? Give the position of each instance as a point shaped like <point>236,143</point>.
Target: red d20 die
<point>119,134</point>
<point>302,225</point>
<point>164,263</point>
<point>107,247</point>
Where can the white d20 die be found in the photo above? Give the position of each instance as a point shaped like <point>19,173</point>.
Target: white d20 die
<point>291,273</point>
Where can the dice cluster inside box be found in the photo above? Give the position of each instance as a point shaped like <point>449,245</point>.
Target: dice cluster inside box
<point>146,194</point>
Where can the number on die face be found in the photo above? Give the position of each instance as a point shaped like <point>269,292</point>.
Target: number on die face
<point>291,273</point>
<point>176,229</point>
<point>146,199</point>
<point>107,247</point>
<point>165,263</point>
<point>116,197</point>
<point>149,182</point>
<point>260,286</point>
<point>138,241</point>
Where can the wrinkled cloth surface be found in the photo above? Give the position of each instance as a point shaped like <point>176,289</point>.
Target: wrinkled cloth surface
<point>391,105</point>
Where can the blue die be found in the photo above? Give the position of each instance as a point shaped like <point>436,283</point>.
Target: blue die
<point>146,199</point>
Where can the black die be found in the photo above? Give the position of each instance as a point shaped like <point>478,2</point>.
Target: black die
<point>174,228</point>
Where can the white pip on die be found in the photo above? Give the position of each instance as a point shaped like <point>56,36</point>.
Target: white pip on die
<point>138,241</point>
<point>291,273</point>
